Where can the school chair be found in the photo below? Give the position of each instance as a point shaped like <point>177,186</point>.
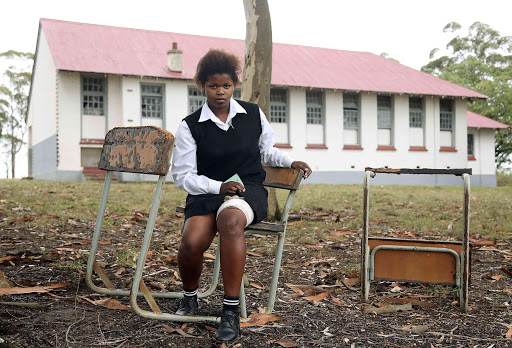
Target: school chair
<point>130,149</point>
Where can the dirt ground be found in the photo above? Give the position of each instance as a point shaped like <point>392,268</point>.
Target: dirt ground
<point>313,308</point>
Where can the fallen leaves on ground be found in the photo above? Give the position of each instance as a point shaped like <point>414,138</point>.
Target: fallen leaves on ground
<point>411,301</point>
<point>18,290</point>
<point>388,309</point>
<point>283,342</point>
<point>414,328</point>
<point>506,271</point>
<point>7,258</point>
<point>109,303</point>
<point>496,277</point>
<point>180,331</point>
<point>352,281</point>
<point>317,298</point>
<point>260,319</point>
<point>4,282</point>
<point>508,335</point>
<point>482,241</point>
<point>257,286</point>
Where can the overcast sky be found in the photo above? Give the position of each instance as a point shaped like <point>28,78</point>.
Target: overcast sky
<point>407,30</point>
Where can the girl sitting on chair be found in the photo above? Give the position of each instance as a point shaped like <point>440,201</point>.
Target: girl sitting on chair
<point>223,138</point>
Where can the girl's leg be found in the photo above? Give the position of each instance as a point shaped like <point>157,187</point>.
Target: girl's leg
<point>230,224</point>
<point>198,234</point>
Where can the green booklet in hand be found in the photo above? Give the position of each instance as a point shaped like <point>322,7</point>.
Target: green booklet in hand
<point>235,178</point>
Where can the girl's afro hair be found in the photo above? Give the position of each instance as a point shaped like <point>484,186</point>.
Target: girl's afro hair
<point>217,61</point>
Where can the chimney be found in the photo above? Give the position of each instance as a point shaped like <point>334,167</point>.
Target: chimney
<point>174,58</point>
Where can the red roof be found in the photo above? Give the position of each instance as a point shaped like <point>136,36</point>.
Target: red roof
<point>113,50</point>
<point>480,121</point>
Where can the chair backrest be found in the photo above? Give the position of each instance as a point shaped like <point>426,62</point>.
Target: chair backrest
<point>145,150</point>
<point>283,178</point>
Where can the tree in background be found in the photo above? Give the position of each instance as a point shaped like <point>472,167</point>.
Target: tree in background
<point>481,61</point>
<point>258,68</point>
<point>14,103</point>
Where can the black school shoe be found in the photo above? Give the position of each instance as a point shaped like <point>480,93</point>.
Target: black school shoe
<point>229,328</point>
<point>188,306</point>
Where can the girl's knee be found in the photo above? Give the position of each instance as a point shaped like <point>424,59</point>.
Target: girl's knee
<point>191,244</point>
<point>231,222</point>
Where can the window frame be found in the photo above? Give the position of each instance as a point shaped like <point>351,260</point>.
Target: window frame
<point>471,145</point>
<point>385,108</point>
<point>103,94</point>
<point>161,95</point>
<point>315,116</point>
<point>283,104</point>
<point>451,114</point>
<point>357,108</point>
<point>421,111</point>
<point>198,96</point>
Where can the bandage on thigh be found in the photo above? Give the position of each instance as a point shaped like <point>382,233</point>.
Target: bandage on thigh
<point>241,205</point>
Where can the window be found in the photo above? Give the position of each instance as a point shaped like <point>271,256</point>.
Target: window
<point>93,95</point>
<point>446,106</point>
<point>384,120</point>
<point>314,105</point>
<point>446,123</point>
<point>416,120</point>
<point>471,146</point>
<point>152,101</point>
<point>415,112</point>
<point>384,113</point>
<point>350,110</point>
<point>278,113</point>
<point>196,99</point>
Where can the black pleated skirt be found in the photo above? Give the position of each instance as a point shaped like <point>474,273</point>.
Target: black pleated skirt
<point>255,194</point>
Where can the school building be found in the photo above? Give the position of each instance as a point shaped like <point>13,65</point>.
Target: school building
<point>340,111</point>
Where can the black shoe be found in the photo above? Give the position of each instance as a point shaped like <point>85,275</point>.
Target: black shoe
<point>188,306</point>
<point>229,328</point>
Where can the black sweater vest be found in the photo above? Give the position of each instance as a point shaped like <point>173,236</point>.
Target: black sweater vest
<point>221,154</point>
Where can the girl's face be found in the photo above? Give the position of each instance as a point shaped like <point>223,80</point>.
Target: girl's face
<point>219,88</point>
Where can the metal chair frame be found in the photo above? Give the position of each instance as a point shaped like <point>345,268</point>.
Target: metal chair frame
<point>284,178</point>
<point>462,260</point>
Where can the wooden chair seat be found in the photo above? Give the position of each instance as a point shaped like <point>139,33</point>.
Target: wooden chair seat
<point>260,226</point>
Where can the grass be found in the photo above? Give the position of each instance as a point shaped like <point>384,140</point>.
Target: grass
<point>126,257</point>
<point>433,210</point>
<point>504,178</point>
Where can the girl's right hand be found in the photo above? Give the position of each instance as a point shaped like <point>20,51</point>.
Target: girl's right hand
<point>231,187</point>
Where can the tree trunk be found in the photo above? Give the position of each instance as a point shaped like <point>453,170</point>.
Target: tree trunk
<point>12,152</point>
<point>258,68</point>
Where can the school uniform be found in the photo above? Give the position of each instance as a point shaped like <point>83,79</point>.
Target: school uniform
<point>209,151</point>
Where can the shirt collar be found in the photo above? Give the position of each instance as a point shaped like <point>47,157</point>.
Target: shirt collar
<point>234,108</point>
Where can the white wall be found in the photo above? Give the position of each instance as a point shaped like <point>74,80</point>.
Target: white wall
<point>176,103</point>
<point>43,94</point>
<point>69,123</point>
<point>483,149</point>
<point>114,102</point>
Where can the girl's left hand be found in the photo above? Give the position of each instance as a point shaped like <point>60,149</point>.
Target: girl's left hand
<point>304,166</point>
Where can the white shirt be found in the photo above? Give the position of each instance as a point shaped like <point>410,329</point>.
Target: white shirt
<point>184,159</point>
